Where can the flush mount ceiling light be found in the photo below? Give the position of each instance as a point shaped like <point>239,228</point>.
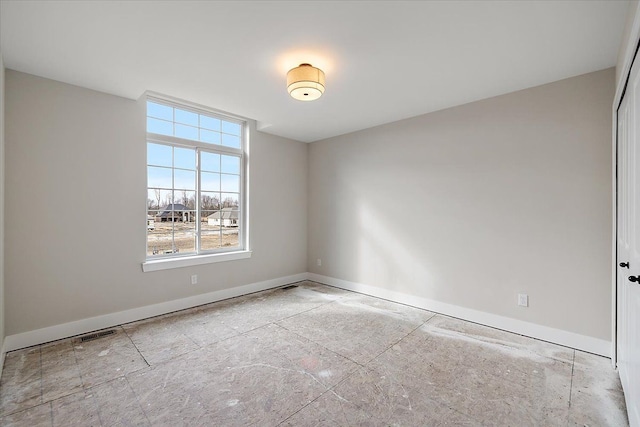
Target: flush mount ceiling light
<point>305,82</point>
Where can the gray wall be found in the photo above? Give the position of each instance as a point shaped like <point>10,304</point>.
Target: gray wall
<point>475,204</point>
<point>75,206</point>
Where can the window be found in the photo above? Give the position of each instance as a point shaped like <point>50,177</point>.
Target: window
<point>195,181</point>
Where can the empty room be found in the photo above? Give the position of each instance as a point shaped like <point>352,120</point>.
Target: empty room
<point>319,213</point>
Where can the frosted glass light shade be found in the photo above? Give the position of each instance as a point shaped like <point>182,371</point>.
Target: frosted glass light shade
<point>305,82</point>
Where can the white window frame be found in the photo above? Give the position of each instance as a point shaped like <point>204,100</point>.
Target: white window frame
<point>176,260</point>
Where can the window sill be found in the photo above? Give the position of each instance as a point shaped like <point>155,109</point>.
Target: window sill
<point>166,264</point>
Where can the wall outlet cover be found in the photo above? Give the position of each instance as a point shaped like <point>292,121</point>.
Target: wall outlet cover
<point>523,300</point>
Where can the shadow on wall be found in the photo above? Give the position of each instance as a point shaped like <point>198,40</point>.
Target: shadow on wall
<point>440,235</point>
<point>382,254</point>
<point>377,232</point>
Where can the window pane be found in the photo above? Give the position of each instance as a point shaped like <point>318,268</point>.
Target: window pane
<point>209,181</point>
<point>184,200</point>
<point>230,164</point>
<point>158,155</point>
<point>159,111</point>
<point>160,240</point>
<point>210,239</point>
<point>184,158</point>
<point>230,229</point>
<point>158,177</point>
<point>185,240</point>
<point>230,183</point>
<point>151,203</point>
<point>159,200</point>
<point>209,201</point>
<point>231,128</point>
<point>209,123</point>
<point>167,200</point>
<point>230,200</point>
<point>159,126</point>
<point>210,233</point>
<point>178,212</point>
<point>209,162</point>
<point>209,223</point>
<point>184,180</point>
<point>187,132</point>
<point>209,136</point>
<point>186,117</point>
<point>230,141</point>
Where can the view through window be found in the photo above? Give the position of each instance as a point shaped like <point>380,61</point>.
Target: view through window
<point>195,170</point>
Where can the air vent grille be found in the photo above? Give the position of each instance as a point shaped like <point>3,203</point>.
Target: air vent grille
<point>96,335</point>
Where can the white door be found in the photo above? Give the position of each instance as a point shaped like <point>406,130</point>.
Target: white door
<point>628,241</point>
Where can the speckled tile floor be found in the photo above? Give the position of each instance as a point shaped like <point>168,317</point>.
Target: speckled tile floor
<point>308,356</point>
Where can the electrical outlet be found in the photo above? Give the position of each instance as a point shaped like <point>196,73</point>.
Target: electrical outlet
<point>319,262</point>
<point>194,279</point>
<point>523,300</point>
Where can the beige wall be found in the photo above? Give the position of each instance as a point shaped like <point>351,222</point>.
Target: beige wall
<point>75,199</point>
<point>472,205</point>
<point>467,206</point>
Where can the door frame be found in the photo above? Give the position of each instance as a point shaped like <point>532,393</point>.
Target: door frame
<point>621,86</point>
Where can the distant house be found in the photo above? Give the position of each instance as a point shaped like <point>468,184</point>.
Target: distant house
<point>227,217</point>
<point>175,212</point>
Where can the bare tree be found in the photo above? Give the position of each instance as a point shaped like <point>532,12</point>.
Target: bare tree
<point>229,202</point>
<point>210,203</point>
<point>158,195</point>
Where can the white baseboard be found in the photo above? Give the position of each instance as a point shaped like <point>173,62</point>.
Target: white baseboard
<point>557,336</point>
<point>65,330</point>
<point>545,333</point>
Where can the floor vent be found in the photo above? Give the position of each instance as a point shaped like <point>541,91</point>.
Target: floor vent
<point>95,336</point>
<point>289,287</point>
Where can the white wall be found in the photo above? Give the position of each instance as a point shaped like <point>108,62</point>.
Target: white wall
<point>75,209</point>
<point>472,205</point>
